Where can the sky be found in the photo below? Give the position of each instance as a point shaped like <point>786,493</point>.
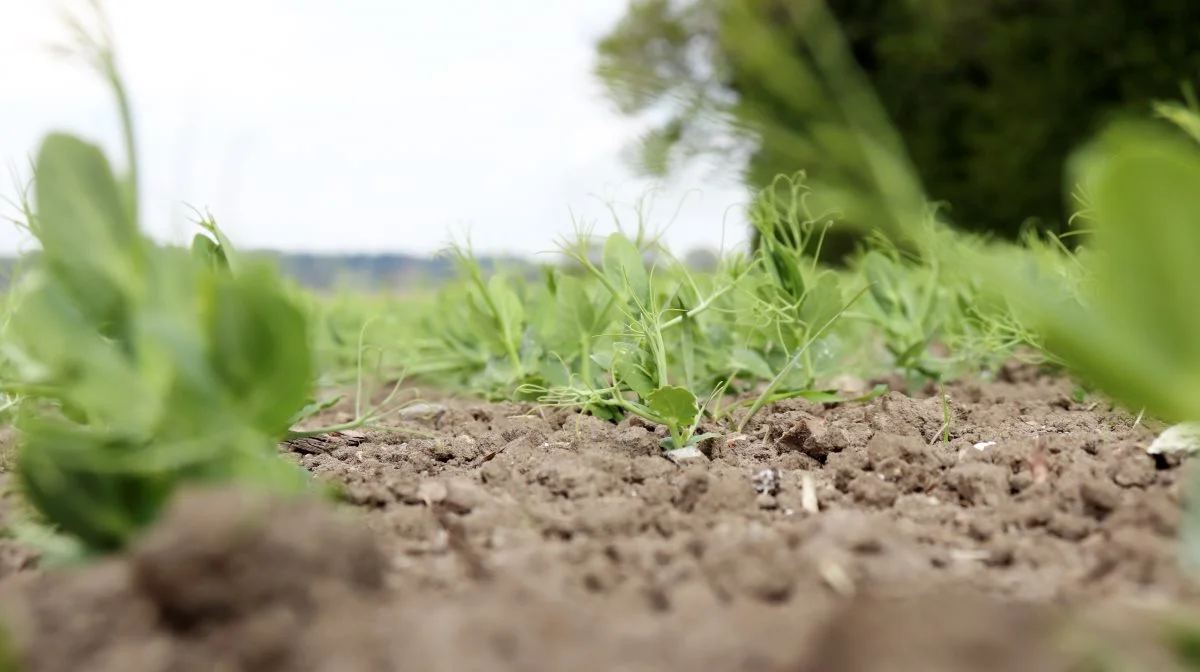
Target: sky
<point>358,125</point>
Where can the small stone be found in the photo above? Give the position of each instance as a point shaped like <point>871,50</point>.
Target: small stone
<point>1100,498</point>
<point>982,528</point>
<point>687,454</point>
<point>1182,438</point>
<point>766,482</point>
<point>766,501</point>
<point>421,411</point>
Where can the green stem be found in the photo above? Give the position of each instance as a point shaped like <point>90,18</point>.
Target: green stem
<point>585,364</point>
<point>793,362</point>
<point>697,310</point>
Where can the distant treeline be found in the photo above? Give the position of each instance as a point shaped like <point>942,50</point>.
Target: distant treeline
<point>352,271</point>
<point>377,271</point>
<point>394,271</point>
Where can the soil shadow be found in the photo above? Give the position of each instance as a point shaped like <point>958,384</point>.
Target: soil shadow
<point>1011,528</point>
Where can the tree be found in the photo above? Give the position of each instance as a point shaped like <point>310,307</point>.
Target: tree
<point>988,97</point>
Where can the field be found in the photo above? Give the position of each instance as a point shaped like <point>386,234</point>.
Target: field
<point>824,538</point>
<point>949,453</point>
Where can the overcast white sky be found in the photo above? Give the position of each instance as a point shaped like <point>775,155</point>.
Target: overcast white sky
<point>354,125</point>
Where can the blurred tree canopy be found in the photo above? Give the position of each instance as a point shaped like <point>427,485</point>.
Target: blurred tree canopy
<point>987,98</point>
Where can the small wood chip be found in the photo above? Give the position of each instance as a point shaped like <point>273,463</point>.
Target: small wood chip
<point>808,494</point>
<point>1039,467</point>
<point>836,577</point>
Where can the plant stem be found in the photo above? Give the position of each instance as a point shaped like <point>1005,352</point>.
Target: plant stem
<point>775,382</point>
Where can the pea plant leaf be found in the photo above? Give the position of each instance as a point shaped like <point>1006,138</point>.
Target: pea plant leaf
<point>676,405</point>
<point>629,369</point>
<point>87,238</point>
<point>745,359</point>
<point>259,348</point>
<point>141,367</point>
<point>510,315</point>
<point>1136,335</point>
<point>624,267</point>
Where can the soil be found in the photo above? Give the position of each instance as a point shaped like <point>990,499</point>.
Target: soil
<point>1030,532</point>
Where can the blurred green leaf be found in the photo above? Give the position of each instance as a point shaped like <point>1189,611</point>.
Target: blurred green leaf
<point>624,267</point>
<point>259,348</point>
<point>629,369</point>
<point>1136,334</point>
<point>88,240</point>
<point>575,306</point>
<point>745,359</point>
<point>509,312</point>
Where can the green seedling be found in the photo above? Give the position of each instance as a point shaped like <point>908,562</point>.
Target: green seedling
<point>906,299</point>
<point>770,394</point>
<point>1136,335</point>
<point>639,362</point>
<point>141,367</point>
<point>371,417</point>
<point>498,311</point>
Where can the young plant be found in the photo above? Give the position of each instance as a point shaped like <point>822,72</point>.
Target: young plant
<point>1135,333</point>
<point>907,306</point>
<point>639,361</point>
<point>141,367</point>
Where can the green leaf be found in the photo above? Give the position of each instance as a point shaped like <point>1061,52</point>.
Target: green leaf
<point>910,356</point>
<point>207,253</point>
<point>259,348</point>
<point>226,253</point>
<point>1136,339</point>
<point>510,314</point>
<point>604,360</point>
<point>624,267</point>
<point>627,368</point>
<point>879,271</point>
<point>697,438</point>
<point>575,306</point>
<point>100,383</point>
<point>784,264</point>
<point>89,242</point>
<point>823,300</point>
<point>104,510</point>
<point>78,201</point>
<point>676,405</point>
<point>833,397</point>
<point>744,359</point>
<point>1147,225</point>
<point>314,408</point>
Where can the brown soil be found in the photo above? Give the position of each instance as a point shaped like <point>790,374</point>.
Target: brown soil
<point>518,539</point>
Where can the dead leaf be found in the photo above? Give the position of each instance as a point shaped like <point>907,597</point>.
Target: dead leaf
<point>808,494</point>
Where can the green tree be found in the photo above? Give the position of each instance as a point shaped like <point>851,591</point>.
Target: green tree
<point>988,97</point>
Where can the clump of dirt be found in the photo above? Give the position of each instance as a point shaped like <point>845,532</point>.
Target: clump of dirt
<point>227,580</point>
<point>902,534</point>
